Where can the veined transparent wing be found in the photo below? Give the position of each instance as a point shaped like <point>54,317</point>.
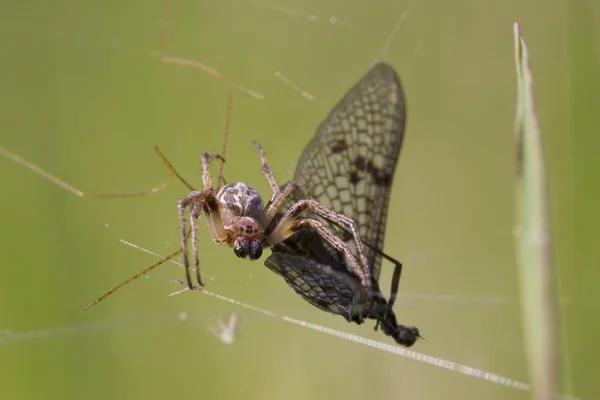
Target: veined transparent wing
<point>319,275</point>
<point>349,164</point>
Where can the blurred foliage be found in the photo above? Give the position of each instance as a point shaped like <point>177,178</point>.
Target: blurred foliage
<point>84,96</point>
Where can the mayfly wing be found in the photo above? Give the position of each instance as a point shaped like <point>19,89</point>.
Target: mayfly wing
<point>349,164</point>
<point>319,275</point>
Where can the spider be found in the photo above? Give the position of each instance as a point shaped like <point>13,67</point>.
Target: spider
<point>236,217</point>
<point>235,214</point>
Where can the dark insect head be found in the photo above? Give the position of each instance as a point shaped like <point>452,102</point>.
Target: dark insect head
<point>406,336</point>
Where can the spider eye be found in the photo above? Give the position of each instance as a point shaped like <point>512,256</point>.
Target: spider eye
<point>241,246</point>
<point>255,249</point>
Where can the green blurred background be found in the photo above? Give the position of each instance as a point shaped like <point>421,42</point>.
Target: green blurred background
<point>83,94</point>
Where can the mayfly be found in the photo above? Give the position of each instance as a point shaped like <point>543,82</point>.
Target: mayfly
<point>349,166</point>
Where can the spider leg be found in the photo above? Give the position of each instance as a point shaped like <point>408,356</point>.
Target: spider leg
<point>66,186</point>
<point>194,229</point>
<point>277,195</point>
<point>181,207</point>
<point>277,201</point>
<point>131,279</point>
<point>211,207</point>
<point>267,171</point>
<point>207,157</point>
<point>203,201</point>
<point>287,222</point>
<point>337,243</point>
<point>206,201</point>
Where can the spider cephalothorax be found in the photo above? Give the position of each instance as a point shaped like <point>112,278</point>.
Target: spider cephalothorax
<point>241,210</point>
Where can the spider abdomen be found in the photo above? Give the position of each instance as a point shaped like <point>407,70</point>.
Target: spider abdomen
<point>238,199</point>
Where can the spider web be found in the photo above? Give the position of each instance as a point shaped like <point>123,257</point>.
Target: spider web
<point>22,338</point>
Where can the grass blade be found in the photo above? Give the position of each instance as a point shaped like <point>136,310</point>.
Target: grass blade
<point>534,258</point>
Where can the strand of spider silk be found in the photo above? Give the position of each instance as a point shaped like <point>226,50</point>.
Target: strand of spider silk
<point>438,362</point>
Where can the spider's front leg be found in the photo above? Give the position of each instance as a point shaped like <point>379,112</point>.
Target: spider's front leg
<point>267,170</point>
<point>285,228</point>
<point>204,201</point>
<point>337,243</point>
<point>277,195</point>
